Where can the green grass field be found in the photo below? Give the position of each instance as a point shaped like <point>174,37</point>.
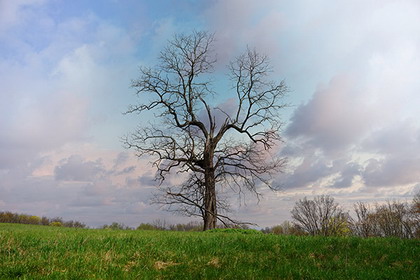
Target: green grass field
<point>40,252</point>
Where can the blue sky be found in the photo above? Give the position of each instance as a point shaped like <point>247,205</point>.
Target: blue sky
<point>65,72</point>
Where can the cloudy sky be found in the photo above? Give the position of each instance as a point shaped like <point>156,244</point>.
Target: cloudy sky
<point>353,131</point>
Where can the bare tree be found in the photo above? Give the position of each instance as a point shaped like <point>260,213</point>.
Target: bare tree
<point>212,147</point>
<point>320,216</point>
<point>394,218</point>
<point>415,214</point>
<point>363,224</point>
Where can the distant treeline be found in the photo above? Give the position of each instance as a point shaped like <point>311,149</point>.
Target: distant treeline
<point>318,216</point>
<point>163,225</point>
<point>9,217</point>
<point>159,225</point>
<point>323,216</point>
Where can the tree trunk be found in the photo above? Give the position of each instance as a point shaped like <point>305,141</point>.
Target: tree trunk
<point>210,214</point>
<point>210,205</point>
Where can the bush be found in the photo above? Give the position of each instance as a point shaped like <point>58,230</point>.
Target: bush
<point>146,226</point>
<point>34,220</point>
<point>116,225</point>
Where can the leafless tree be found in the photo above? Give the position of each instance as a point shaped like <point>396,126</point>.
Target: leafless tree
<point>320,216</point>
<point>363,224</point>
<point>212,147</point>
<point>415,214</point>
<point>394,218</point>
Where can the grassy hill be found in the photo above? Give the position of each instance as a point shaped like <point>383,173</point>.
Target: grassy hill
<point>42,252</point>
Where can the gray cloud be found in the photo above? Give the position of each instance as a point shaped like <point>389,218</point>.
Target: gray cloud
<point>327,127</point>
<point>399,146</point>
<point>147,179</point>
<point>121,159</point>
<point>401,137</point>
<point>75,168</point>
<point>308,172</point>
<point>392,171</point>
<point>333,119</point>
<point>347,172</point>
<point>126,170</point>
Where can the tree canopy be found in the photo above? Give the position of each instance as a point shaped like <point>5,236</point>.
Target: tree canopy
<point>210,146</point>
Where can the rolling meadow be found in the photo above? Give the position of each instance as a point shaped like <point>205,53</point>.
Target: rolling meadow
<point>46,252</point>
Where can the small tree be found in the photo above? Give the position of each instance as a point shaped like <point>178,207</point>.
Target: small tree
<point>320,216</point>
<point>394,219</point>
<point>116,226</point>
<point>363,225</point>
<point>212,146</point>
<point>415,215</point>
<point>56,224</point>
<point>45,221</point>
<point>416,203</point>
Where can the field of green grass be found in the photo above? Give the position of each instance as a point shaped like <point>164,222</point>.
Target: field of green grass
<point>41,252</point>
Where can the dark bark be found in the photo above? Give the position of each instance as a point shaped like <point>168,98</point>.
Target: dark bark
<point>210,207</point>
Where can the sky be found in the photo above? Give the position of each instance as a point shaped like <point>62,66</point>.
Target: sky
<point>352,130</point>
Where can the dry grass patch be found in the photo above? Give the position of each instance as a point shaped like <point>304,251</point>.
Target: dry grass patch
<point>159,265</point>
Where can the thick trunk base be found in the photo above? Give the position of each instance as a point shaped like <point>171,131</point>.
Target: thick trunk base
<point>210,218</point>
<point>210,214</point>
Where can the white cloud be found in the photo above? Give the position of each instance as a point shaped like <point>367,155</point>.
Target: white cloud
<point>14,12</point>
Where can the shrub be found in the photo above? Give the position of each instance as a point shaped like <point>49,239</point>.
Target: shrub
<point>116,225</point>
<point>146,226</point>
